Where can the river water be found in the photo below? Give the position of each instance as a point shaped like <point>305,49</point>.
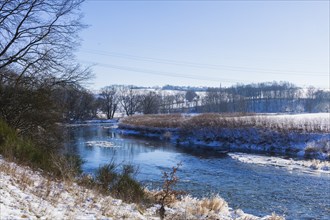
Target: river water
<point>258,190</point>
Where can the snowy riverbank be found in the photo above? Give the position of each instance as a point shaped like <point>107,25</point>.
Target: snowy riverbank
<point>305,135</point>
<point>28,194</point>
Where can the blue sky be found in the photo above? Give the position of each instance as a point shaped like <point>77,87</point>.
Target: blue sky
<point>206,43</point>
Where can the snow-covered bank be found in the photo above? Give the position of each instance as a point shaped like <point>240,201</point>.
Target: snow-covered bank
<point>28,194</point>
<point>305,135</point>
<point>307,166</point>
<point>303,145</point>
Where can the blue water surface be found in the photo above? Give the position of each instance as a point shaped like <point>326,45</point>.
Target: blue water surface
<point>258,190</point>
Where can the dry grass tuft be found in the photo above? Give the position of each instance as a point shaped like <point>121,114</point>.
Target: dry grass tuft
<point>207,208</point>
<point>215,204</point>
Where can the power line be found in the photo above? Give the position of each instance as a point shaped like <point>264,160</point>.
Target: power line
<point>161,73</point>
<point>178,75</point>
<point>204,66</point>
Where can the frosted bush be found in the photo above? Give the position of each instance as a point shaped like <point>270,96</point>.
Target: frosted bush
<point>206,208</point>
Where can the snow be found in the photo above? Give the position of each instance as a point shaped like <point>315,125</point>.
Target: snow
<point>308,145</point>
<point>305,116</point>
<point>321,119</point>
<point>300,135</point>
<point>306,166</point>
<point>27,194</point>
<point>101,144</point>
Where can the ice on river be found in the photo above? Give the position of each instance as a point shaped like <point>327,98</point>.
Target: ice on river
<point>306,166</point>
<point>101,144</point>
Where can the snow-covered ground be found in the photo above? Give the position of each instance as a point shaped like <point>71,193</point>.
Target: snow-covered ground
<point>26,194</point>
<point>312,121</point>
<point>307,166</point>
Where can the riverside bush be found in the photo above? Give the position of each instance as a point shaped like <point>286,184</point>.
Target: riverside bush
<point>24,150</point>
<point>120,184</point>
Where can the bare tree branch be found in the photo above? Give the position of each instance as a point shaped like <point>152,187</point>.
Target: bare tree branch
<point>39,36</point>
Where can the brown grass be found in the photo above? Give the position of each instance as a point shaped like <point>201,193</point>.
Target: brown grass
<point>275,217</point>
<point>205,208</point>
<point>155,121</point>
<point>216,120</point>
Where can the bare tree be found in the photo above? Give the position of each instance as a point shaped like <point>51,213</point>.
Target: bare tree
<point>310,98</point>
<point>37,41</point>
<point>190,95</point>
<point>38,38</point>
<point>179,100</point>
<point>129,99</point>
<point>150,103</point>
<point>167,102</point>
<point>75,102</point>
<point>109,99</point>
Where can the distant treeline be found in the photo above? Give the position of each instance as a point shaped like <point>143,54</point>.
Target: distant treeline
<point>268,97</point>
<point>77,103</point>
<point>72,102</point>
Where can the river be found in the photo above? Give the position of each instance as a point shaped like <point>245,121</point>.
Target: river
<point>258,190</point>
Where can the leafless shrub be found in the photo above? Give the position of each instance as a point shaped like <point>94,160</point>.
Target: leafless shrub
<point>67,166</point>
<point>168,195</point>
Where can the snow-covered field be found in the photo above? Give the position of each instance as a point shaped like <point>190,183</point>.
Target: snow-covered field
<point>26,194</point>
<point>310,121</point>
